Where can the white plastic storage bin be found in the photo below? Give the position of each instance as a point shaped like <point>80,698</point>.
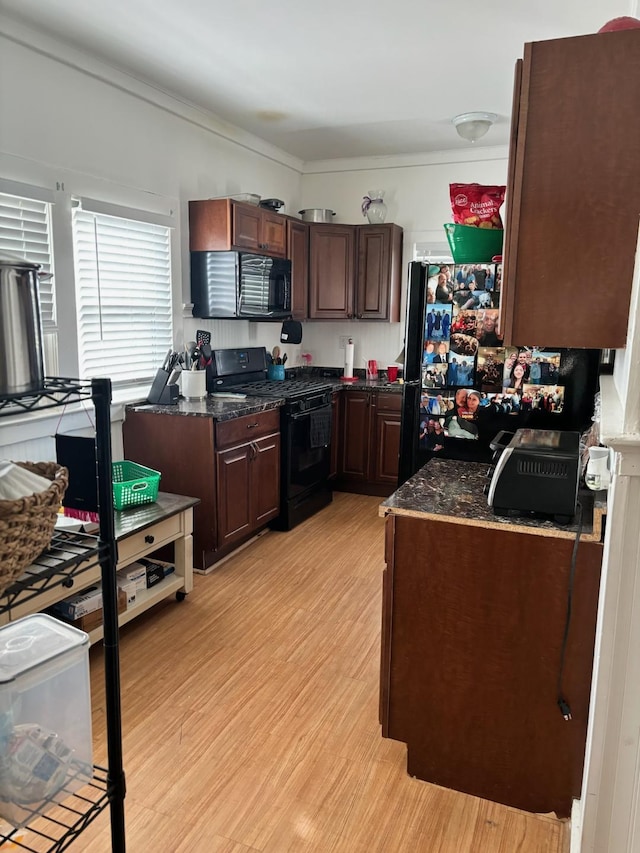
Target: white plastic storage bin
<point>45,715</point>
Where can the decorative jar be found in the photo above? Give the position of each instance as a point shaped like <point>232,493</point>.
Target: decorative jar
<point>374,208</point>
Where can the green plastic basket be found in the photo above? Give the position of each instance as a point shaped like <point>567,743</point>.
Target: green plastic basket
<point>471,245</point>
<point>133,484</point>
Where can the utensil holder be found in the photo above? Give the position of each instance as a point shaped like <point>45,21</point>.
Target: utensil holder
<point>194,384</point>
<point>275,372</point>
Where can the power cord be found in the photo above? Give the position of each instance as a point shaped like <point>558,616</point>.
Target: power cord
<point>565,710</point>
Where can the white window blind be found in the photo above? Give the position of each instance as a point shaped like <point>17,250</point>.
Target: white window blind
<point>25,232</point>
<point>123,295</point>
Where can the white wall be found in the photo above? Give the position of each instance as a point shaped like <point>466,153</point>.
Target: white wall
<point>103,135</point>
<point>69,121</point>
<point>417,198</point>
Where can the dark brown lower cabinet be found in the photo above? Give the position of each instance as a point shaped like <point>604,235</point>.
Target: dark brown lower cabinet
<point>233,467</point>
<point>472,634</point>
<point>369,442</point>
<point>248,487</point>
<point>336,413</point>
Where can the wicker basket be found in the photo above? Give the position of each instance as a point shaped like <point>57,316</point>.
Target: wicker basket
<point>26,525</point>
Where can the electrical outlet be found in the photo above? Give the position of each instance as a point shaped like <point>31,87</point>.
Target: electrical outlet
<point>343,340</point>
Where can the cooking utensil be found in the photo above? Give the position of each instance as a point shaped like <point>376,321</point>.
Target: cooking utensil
<point>284,358</point>
<point>275,354</point>
<point>21,355</point>
<point>190,347</point>
<point>317,214</point>
<point>203,337</point>
<point>272,204</point>
<point>205,356</point>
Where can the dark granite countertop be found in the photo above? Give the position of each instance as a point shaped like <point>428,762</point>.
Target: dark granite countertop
<point>448,490</point>
<point>332,375</point>
<point>380,385</point>
<point>225,410</point>
<point>211,407</point>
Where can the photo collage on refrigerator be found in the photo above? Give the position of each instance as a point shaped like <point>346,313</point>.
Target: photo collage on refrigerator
<point>467,374</point>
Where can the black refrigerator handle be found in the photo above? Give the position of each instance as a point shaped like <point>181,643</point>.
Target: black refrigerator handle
<point>415,319</point>
<point>409,429</point>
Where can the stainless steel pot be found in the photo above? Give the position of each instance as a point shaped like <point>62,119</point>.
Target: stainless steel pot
<point>317,214</point>
<point>21,361</point>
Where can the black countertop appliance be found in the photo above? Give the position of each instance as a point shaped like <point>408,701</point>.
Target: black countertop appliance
<point>537,472</point>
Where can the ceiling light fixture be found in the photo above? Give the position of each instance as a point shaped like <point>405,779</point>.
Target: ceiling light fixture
<point>473,126</point>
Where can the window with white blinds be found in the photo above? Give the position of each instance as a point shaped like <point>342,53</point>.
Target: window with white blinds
<point>123,295</point>
<point>25,233</point>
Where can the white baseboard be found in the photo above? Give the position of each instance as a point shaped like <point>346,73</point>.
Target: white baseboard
<point>576,826</point>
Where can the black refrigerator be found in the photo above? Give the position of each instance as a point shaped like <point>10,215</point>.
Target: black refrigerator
<point>463,386</point>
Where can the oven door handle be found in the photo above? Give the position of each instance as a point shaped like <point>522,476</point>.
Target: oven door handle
<point>298,416</point>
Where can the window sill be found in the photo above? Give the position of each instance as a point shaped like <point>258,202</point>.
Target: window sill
<point>30,426</point>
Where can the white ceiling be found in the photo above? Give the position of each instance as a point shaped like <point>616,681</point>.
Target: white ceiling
<point>330,78</point>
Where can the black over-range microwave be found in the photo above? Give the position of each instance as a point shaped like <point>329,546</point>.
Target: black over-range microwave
<point>240,284</point>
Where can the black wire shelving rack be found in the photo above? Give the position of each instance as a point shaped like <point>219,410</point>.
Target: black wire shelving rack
<point>69,555</point>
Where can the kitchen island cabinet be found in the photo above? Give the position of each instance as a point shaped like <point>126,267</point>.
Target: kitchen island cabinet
<point>231,464</point>
<point>474,614</point>
<point>369,441</point>
<point>218,225</point>
<point>354,272</point>
<point>573,194</point>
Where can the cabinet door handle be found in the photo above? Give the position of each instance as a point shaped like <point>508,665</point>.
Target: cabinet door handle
<point>149,539</point>
<point>252,426</point>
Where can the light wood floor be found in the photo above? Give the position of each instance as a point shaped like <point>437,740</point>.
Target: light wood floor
<point>250,715</point>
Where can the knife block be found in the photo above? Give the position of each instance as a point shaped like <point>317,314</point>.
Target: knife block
<point>161,393</point>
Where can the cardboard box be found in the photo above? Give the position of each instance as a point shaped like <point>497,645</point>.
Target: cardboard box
<point>137,573</point>
<point>94,619</point>
<point>157,571</point>
<point>81,604</point>
<point>129,589</point>
<point>155,574</point>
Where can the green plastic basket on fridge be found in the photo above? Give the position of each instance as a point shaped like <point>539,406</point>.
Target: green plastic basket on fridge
<point>471,245</point>
<point>133,484</point>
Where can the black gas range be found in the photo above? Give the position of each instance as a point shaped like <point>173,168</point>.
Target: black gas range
<point>305,428</point>
<point>300,395</point>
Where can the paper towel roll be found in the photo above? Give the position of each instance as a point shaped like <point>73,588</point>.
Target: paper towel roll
<point>348,360</point>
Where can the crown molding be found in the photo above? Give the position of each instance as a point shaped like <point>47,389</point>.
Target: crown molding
<point>54,49</point>
<point>406,161</point>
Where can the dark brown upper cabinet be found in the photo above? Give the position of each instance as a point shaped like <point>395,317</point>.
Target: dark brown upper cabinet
<point>378,272</point>
<point>331,271</point>
<point>573,196</point>
<point>218,225</point>
<point>354,272</point>
<point>298,254</point>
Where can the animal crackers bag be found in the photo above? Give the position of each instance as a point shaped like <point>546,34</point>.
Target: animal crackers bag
<point>476,204</point>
